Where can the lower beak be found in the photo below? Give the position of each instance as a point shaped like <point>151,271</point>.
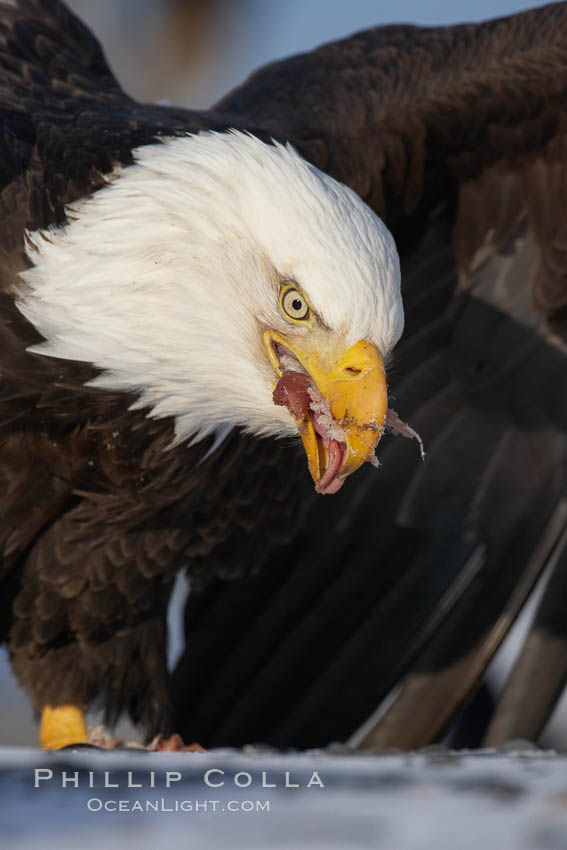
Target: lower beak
<point>353,390</point>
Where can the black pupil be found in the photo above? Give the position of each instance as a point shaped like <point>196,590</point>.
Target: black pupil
<point>297,304</point>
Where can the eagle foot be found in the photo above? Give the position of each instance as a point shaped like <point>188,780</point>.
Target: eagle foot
<point>99,737</point>
<point>62,726</point>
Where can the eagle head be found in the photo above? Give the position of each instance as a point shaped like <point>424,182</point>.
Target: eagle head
<point>228,283</point>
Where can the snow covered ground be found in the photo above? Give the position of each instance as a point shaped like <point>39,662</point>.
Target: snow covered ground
<point>222,799</point>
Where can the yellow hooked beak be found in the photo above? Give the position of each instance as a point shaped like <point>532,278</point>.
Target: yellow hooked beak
<point>352,385</point>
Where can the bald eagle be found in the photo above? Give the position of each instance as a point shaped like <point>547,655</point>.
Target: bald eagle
<point>185,294</point>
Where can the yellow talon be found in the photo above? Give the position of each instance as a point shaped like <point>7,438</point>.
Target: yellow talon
<point>62,726</point>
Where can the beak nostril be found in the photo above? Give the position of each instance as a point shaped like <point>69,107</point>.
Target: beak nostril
<point>352,370</point>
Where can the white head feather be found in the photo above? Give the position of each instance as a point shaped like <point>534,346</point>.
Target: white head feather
<point>164,278</point>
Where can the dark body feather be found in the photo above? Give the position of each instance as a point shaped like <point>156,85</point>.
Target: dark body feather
<point>456,137</point>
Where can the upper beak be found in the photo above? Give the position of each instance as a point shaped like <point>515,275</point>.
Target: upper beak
<point>353,383</point>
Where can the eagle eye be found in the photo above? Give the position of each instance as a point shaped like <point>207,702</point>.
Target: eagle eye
<point>294,304</point>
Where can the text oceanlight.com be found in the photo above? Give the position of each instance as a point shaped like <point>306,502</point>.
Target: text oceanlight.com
<point>95,804</point>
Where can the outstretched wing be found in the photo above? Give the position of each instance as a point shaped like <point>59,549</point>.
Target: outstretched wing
<point>412,576</point>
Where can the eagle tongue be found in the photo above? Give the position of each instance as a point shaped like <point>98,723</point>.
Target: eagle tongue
<point>329,482</point>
